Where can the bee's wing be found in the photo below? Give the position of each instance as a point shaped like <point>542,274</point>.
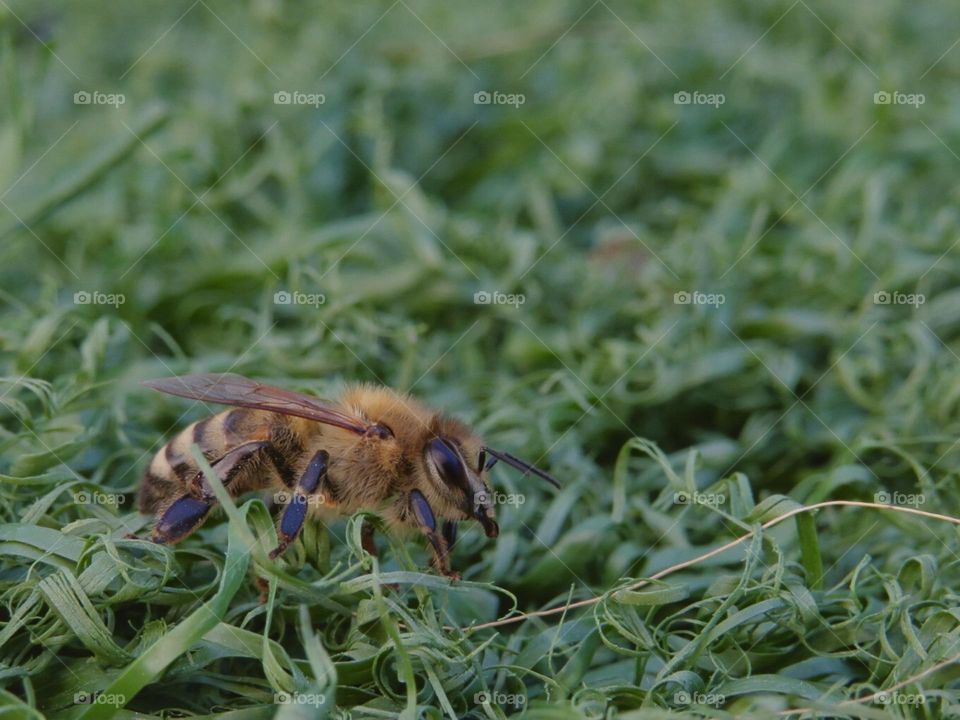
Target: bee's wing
<point>231,389</point>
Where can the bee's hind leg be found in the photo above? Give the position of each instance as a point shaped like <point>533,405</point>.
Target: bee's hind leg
<point>182,517</point>
<point>227,468</point>
<point>367,542</point>
<point>295,513</point>
<point>188,511</point>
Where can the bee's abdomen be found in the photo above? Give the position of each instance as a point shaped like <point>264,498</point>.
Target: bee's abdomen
<point>173,469</point>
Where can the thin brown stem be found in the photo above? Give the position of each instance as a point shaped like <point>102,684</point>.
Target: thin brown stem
<point>706,556</point>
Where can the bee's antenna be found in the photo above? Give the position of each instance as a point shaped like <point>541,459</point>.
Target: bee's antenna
<point>515,462</point>
<point>483,464</point>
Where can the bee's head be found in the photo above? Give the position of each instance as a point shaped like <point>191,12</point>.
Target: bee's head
<point>447,464</point>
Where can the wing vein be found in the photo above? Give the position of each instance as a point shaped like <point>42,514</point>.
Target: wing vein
<point>236,390</point>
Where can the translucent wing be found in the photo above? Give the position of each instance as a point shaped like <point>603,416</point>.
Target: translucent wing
<point>231,389</point>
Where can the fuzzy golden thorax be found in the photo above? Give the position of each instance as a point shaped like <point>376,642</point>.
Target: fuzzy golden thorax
<point>403,460</point>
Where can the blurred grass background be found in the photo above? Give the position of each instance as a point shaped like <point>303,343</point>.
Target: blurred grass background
<point>797,199</point>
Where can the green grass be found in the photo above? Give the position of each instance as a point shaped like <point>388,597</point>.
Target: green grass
<point>597,199</point>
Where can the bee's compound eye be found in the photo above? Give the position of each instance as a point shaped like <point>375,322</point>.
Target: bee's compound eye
<point>447,462</point>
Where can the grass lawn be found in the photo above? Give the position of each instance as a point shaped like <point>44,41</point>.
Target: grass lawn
<point>699,261</point>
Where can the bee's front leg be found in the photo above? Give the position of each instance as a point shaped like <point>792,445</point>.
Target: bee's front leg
<point>427,522</point>
<point>296,511</point>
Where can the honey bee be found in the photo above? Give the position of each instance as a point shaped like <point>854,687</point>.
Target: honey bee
<point>373,449</point>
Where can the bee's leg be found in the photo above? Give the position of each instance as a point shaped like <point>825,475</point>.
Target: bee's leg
<point>296,511</point>
<point>227,467</point>
<point>366,538</point>
<point>189,510</point>
<point>450,533</point>
<point>423,514</point>
<point>182,517</point>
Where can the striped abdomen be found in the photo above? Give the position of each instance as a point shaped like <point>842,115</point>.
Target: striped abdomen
<point>173,470</point>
